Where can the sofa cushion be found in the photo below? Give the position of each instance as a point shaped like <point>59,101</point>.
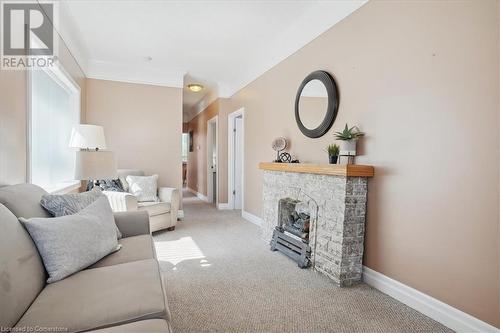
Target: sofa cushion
<point>23,200</point>
<point>100,297</point>
<point>22,275</point>
<point>70,243</point>
<point>133,248</point>
<point>154,208</point>
<point>149,326</point>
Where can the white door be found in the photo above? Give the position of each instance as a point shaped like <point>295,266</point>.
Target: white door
<point>214,163</point>
<point>238,162</point>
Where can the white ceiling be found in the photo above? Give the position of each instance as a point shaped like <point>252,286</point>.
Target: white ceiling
<point>195,102</point>
<point>226,42</point>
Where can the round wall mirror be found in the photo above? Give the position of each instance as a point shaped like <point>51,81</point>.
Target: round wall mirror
<point>316,104</point>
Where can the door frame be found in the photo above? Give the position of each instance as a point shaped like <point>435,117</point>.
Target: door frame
<point>230,158</point>
<point>210,122</point>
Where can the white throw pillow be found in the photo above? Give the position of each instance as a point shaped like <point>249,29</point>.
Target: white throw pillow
<point>144,188</point>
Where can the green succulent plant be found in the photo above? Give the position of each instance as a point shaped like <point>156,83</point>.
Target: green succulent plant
<point>347,134</point>
<point>333,150</point>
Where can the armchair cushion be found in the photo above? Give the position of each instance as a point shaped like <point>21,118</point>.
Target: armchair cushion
<point>154,208</point>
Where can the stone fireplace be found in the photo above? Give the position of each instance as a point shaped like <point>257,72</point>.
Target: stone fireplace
<point>335,196</point>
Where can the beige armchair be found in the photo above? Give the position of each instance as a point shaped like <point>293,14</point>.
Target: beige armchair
<point>162,213</point>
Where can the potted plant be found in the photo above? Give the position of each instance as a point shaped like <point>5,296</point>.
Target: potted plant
<point>333,153</point>
<point>348,138</point>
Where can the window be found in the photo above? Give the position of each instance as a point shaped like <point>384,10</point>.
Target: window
<point>185,146</point>
<point>54,110</point>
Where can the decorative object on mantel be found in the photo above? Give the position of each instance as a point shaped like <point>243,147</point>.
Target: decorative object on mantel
<point>318,92</point>
<point>285,158</point>
<point>348,139</point>
<point>279,144</point>
<point>333,153</point>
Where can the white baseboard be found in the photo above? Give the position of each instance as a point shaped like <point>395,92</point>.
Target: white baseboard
<point>429,306</point>
<point>180,214</point>
<point>223,206</point>
<point>198,194</point>
<point>251,218</point>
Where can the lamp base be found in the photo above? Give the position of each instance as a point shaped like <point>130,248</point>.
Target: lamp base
<point>93,183</point>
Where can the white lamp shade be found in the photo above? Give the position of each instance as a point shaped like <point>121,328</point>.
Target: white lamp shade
<point>87,137</point>
<point>95,165</point>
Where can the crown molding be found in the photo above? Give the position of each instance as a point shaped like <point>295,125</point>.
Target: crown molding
<point>144,82</point>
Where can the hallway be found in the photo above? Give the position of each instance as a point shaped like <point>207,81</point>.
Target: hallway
<point>222,277</point>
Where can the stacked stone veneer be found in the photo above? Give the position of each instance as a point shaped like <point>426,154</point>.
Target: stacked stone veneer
<point>338,211</point>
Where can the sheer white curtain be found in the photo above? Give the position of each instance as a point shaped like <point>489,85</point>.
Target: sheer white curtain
<point>55,109</point>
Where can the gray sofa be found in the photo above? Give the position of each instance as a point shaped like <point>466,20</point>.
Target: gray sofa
<point>123,292</point>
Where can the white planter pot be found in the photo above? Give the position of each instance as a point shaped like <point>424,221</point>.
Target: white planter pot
<point>348,147</point>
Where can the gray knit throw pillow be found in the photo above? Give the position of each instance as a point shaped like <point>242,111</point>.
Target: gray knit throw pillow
<point>70,243</point>
<point>67,204</point>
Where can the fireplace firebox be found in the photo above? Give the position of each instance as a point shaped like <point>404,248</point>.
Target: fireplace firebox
<point>291,235</point>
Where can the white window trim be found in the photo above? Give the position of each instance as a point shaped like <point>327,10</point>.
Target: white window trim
<point>61,76</point>
<point>62,188</point>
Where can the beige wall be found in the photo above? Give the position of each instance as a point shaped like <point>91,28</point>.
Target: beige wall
<point>421,78</point>
<point>13,113</point>
<point>226,107</point>
<point>13,108</point>
<point>142,125</point>
<point>197,166</point>
<point>197,159</point>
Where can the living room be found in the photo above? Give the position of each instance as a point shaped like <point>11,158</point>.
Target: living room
<point>159,171</point>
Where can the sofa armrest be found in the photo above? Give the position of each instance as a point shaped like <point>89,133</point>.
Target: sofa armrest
<point>121,201</point>
<point>132,223</point>
<point>172,196</point>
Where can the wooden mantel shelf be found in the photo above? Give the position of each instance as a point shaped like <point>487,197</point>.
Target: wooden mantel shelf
<point>350,170</point>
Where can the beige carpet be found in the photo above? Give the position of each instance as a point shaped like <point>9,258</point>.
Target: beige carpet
<point>223,278</point>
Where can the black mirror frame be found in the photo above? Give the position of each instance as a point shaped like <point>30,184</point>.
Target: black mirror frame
<point>333,104</point>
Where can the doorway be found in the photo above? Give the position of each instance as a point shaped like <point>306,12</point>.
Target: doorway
<point>212,160</point>
<point>236,137</point>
